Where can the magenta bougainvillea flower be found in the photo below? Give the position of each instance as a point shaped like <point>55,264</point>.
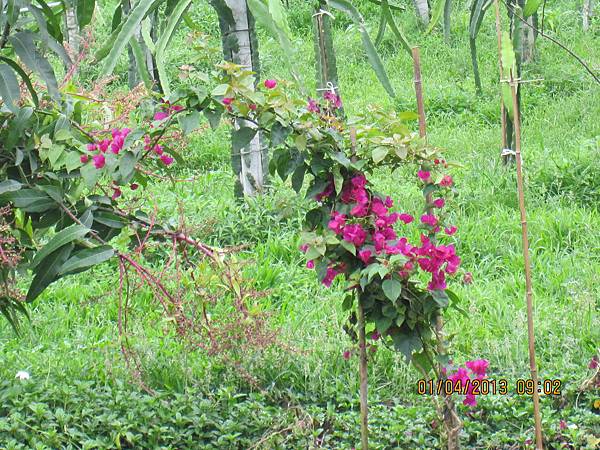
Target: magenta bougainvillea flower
<point>166,159</point>
<point>161,115</point>
<point>477,369</point>
<point>354,233</point>
<point>439,202</point>
<point>424,175</point>
<point>446,181</point>
<point>227,101</point>
<point>333,99</point>
<point>313,106</point>
<point>270,84</point>
<point>99,161</point>
<point>84,158</point>
<point>450,230</point>
<point>429,219</point>
<point>406,218</point>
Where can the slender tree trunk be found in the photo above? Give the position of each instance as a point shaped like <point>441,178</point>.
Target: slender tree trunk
<point>447,14</point>
<point>422,8</point>
<point>528,41</point>
<point>587,13</point>
<point>252,160</point>
<point>72,28</point>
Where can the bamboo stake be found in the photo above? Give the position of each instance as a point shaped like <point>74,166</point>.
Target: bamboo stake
<point>419,91</point>
<point>452,423</point>
<point>501,69</point>
<point>528,287</point>
<point>364,408</point>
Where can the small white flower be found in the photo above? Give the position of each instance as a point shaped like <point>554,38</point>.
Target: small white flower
<point>22,375</point>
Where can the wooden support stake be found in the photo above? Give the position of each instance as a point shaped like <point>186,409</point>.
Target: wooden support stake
<point>529,292</point>
<point>505,158</point>
<point>364,408</point>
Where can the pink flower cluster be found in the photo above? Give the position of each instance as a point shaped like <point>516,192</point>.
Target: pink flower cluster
<point>158,150</point>
<point>114,144</point>
<point>476,369</point>
<point>167,111</point>
<point>334,101</point>
<point>369,226</point>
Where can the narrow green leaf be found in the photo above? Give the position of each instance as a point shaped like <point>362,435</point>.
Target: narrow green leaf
<point>140,63</point>
<point>9,87</point>
<point>24,77</point>
<point>87,258</point>
<point>60,239</point>
<point>9,186</point>
<point>164,39</point>
<point>24,47</point>
<point>47,271</point>
<point>372,55</point>
<point>30,200</point>
<point>531,7</point>
<point>85,11</point>
<point>124,36</point>
<point>436,15</point>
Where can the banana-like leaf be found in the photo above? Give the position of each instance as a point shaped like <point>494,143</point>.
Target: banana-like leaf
<point>436,15</point>
<point>125,34</point>
<point>25,49</point>
<point>278,13</point>
<point>85,11</point>
<point>347,8</point>
<point>381,28</point>
<point>164,39</point>
<point>140,63</point>
<point>478,9</point>
<point>385,9</point>
<point>509,65</point>
<point>9,87</point>
<point>53,20</point>
<point>46,37</point>
<point>263,16</point>
<point>531,7</point>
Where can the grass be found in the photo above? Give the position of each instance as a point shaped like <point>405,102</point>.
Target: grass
<point>81,394</point>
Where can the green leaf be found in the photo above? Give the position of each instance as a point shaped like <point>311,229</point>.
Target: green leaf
<point>165,37</point>
<point>385,9</point>
<point>24,47</point>
<point>9,186</point>
<point>213,117</point>
<point>391,289</point>
<point>407,343</point>
<point>86,258</point>
<point>383,323</point>
<point>440,297</point>
<point>348,246</point>
<point>73,161</point>
<point>47,271</point>
<point>60,239</point>
<point>30,200</point>
<point>127,164</point>
<point>436,15</point>
<point>421,360</point>
<point>140,63</point>
<point>9,87</point>
<point>24,77</point>
<point>379,154</point>
<point>347,8</point>
<point>189,122</point>
<point>85,11</point>
<point>531,7</point>
<point>338,179</point>
<point>124,36</point>
<point>90,175</point>
<point>279,134</point>
<point>241,137</point>
<point>298,178</point>
<point>109,219</point>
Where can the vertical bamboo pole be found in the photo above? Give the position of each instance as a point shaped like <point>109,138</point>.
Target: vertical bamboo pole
<point>529,293</point>
<point>364,408</point>
<point>452,423</point>
<point>505,158</point>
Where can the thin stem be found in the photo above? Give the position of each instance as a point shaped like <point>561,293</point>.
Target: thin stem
<point>528,284</point>
<point>364,408</point>
<point>419,92</point>
<point>4,37</point>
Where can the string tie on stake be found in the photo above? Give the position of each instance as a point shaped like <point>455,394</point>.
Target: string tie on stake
<point>330,87</point>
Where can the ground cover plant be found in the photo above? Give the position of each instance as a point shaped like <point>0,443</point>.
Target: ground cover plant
<point>300,390</point>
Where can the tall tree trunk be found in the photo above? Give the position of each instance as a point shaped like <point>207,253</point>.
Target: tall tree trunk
<point>132,72</point>
<point>72,28</point>
<point>587,13</point>
<point>528,40</point>
<point>422,8</point>
<point>250,164</point>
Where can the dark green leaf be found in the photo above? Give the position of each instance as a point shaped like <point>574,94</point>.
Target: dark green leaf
<point>60,239</point>
<point>9,186</point>
<point>241,137</point>
<point>85,11</point>
<point>279,134</point>
<point>407,343</point>
<point>189,122</point>
<point>298,177</point>
<point>383,323</point>
<point>9,87</point>
<point>109,219</point>
<point>30,200</point>
<point>24,77</point>
<point>47,271</point>
<point>87,258</point>
<point>440,297</point>
<point>213,117</point>
<point>127,164</point>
